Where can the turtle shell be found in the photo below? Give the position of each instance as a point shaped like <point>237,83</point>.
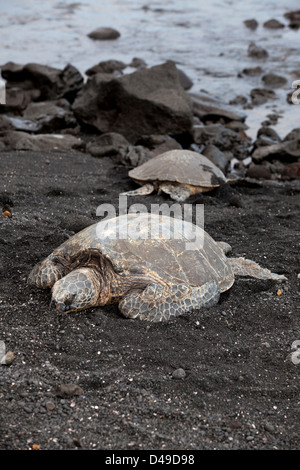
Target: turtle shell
<point>158,246</point>
<point>179,166</point>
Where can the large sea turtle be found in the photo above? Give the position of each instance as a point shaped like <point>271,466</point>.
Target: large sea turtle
<point>154,266</point>
<point>179,173</point>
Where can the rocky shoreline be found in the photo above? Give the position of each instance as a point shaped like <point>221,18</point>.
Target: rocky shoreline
<point>225,378</point>
<point>135,116</point>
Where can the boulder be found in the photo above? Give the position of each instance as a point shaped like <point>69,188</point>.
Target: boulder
<point>293,135</point>
<point>51,83</point>
<point>157,144</point>
<point>104,33</point>
<point>107,66</point>
<point>269,133</point>
<point>216,156</point>
<point>207,107</point>
<point>109,144</point>
<point>294,18</point>
<point>287,151</point>
<point>221,137</point>
<point>18,99</point>
<point>137,63</point>
<point>18,124</point>
<point>148,101</point>
<point>50,116</point>
<point>261,95</point>
<point>274,81</point>
<point>258,172</point>
<point>116,146</point>
<point>291,171</point>
<point>257,51</point>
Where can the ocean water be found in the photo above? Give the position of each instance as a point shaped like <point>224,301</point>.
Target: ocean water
<point>208,40</point>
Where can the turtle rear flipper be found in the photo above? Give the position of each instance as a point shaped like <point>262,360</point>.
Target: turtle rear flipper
<point>178,193</point>
<point>46,273</point>
<point>247,267</point>
<point>157,303</point>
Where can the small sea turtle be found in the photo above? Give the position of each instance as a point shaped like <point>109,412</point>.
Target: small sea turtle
<point>179,173</point>
<point>154,266</point>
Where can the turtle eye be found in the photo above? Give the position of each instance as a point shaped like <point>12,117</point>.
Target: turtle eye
<point>68,301</point>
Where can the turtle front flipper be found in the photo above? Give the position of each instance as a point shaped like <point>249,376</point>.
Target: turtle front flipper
<point>142,191</point>
<point>157,303</point>
<point>46,273</point>
<point>247,267</point>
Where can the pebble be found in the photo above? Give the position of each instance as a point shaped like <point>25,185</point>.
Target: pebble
<point>27,409</point>
<point>49,406</point>
<point>251,24</point>
<point>179,373</point>
<point>269,427</point>
<point>8,358</point>
<point>68,390</point>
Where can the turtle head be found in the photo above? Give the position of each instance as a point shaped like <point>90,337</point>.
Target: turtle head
<point>78,290</point>
<point>45,273</point>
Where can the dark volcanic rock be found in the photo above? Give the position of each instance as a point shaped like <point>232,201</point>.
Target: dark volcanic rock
<point>223,138</point>
<point>111,143</point>
<point>253,71</point>
<point>51,83</point>
<point>135,155</point>
<point>184,79</point>
<point>293,135</point>
<point>251,24</point>
<point>257,51</point>
<point>104,34</point>
<point>18,99</point>
<point>18,124</point>
<point>266,136</point>
<point>216,156</point>
<point>117,147</point>
<point>50,116</point>
<point>148,101</point>
<point>273,24</point>
<point>270,133</point>
<point>157,144</point>
<point>207,107</point>
<point>294,18</point>
<point>291,171</point>
<point>238,100</point>
<point>107,66</point>
<point>274,81</point>
<point>261,95</point>
<point>137,63</point>
<point>286,151</point>
<point>258,172</point>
